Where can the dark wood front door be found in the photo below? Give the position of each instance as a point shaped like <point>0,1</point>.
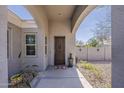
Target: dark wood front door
<point>59,50</point>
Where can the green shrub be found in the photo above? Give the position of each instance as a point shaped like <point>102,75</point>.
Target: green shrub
<point>97,72</point>
<point>15,79</point>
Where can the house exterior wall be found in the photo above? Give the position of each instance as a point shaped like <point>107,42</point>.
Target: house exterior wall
<point>3,47</point>
<point>35,60</point>
<point>60,28</point>
<point>41,28</point>
<point>14,49</point>
<point>92,54</point>
<point>118,46</point>
<point>17,40</point>
<point>41,20</point>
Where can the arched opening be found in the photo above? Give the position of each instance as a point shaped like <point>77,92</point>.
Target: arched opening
<point>93,45</point>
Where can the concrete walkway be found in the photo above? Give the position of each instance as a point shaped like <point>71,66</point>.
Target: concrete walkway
<point>59,78</point>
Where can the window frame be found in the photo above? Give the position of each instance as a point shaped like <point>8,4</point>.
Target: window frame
<point>25,45</point>
<point>9,43</point>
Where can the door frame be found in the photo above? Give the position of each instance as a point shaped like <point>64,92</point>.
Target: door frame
<point>64,49</point>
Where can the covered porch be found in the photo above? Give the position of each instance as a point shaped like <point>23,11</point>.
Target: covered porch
<point>61,78</point>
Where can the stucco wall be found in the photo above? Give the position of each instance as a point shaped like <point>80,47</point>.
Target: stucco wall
<point>60,28</point>
<point>118,46</point>
<point>92,54</point>
<point>41,20</point>
<point>14,49</point>
<point>108,53</point>
<point>41,29</point>
<point>3,47</point>
<point>38,59</point>
<point>17,41</point>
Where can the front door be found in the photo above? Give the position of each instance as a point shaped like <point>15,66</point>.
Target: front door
<point>59,50</point>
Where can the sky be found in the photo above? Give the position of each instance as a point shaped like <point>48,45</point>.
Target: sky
<point>21,11</point>
<point>84,32</point>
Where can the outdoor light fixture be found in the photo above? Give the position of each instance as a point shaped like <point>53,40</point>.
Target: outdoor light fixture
<point>60,14</point>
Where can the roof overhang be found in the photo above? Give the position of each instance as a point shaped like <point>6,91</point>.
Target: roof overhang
<point>59,12</point>
<point>14,19</point>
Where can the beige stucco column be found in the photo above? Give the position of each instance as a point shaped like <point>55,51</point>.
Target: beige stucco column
<point>3,47</point>
<point>118,46</point>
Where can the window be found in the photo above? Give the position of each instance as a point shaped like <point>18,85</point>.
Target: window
<point>30,44</point>
<point>9,42</point>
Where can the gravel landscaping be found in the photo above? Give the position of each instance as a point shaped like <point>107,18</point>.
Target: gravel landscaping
<point>23,78</point>
<point>98,73</point>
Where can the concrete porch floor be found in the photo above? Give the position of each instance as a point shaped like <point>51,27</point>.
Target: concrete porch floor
<point>59,78</point>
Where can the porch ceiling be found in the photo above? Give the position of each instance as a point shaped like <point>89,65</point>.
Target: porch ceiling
<point>59,12</point>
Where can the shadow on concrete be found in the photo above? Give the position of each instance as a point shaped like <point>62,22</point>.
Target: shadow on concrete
<point>59,78</point>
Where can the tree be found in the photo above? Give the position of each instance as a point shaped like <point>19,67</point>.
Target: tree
<point>79,43</point>
<point>102,30</point>
<point>93,42</point>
